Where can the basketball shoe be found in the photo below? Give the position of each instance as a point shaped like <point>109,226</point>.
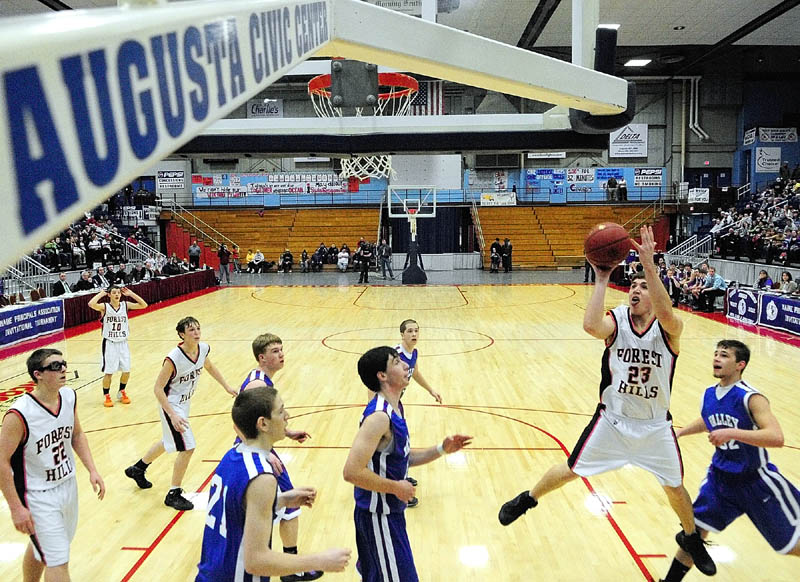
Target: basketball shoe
<point>176,500</point>
<point>122,397</point>
<point>108,403</point>
<point>696,548</point>
<point>515,508</point>
<point>302,576</point>
<point>137,475</point>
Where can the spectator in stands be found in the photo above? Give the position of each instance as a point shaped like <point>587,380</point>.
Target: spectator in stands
<point>506,255</point>
<point>99,280</point>
<point>138,273</point>
<point>699,283</point>
<point>323,252</point>
<point>224,256</point>
<point>763,282</point>
<point>286,261</point>
<point>237,266</point>
<point>78,252</point>
<point>84,283</point>
<point>787,285</point>
<point>672,285</point>
<point>785,173</point>
<point>343,259</point>
<point>173,267</point>
<point>496,246</point>
<point>494,259</point>
<point>385,257</point>
<point>120,276</point>
<point>248,258</point>
<point>366,254</point>
<point>194,255</point>
<point>714,287</point>
<point>150,268</point>
<point>316,262</point>
<point>622,189</point>
<point>39,256</point>
<point>61,286</point>
<point>93,252</point>
<point>611,188</point>
<point>333,254</point>
<point>305,261</point>
<point>256,265</point>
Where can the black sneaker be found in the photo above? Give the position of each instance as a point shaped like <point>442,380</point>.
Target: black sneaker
<point>137,475</point>
<point>412,481</point>
<point>176,500</point>
<point>513,509</point>
<point>311,575</point>
<point>413,502</point>
<point>696,548</point>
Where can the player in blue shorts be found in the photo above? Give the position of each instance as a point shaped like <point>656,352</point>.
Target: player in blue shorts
<point>741,480</point>
<point>378,464</point>
<point>268,351</point>
<point>243,499</point>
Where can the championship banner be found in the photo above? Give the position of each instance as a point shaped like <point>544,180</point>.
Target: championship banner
<point>779,312</point>
<point>777,134</point>
<point>498,199</point>
<point>30,321</point>
<point>743,305</point>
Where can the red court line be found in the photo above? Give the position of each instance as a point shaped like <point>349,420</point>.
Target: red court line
<point>623,538</point>
<point>149,550</point>
<point>130,548</point>
<point>652,555</point>
<point>347,448</point>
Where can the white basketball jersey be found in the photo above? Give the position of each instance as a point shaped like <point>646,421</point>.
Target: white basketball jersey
<point>115,322</point>
<point>637,370</point>
<point>44,459</point>
<point>182,384</point>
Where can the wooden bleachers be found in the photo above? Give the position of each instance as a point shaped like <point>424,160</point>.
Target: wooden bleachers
<point>272,231</point>
<point>547,237</point>
<point>566,227</point>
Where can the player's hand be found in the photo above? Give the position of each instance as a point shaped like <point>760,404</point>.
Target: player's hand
<point>125,291</point>
<point>277,466</point>
<point>232,391</point>
<point>436,396</point>
<point>647,248</point>
<point>97,484</point>
<point>180,423</point>
<point>23,521</point>
<point>601,272</point>
<point>455,443</point>
<point>299,497</point>
<point>404,490</point>
<point>721,436</point>
<point>300,436</point>
<point>333,560</point>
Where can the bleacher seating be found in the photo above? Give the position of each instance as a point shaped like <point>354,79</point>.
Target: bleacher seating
<point>548,237</point>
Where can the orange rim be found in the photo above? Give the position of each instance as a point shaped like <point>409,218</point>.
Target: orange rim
<point>321,84</point>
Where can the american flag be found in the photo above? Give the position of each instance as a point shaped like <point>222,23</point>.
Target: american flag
<point>429,100</point>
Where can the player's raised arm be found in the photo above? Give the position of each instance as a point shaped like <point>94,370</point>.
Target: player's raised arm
<point>140,303</point>
<point>596,322</point>
<point>660,299</point>
<point>94,302</point>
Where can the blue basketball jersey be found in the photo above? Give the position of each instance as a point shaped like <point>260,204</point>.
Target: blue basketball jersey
<point>410,359</point>
<point>256,375</point>
<point>222,557</point>
<point>731,411</point>
<point>391,462</point>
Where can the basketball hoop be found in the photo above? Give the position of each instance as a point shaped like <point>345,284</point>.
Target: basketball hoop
<point>395,99</point>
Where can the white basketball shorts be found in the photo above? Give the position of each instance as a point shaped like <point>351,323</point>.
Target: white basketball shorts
<point>173,439</point>
<point>55,519</point>
<point>116,357</point>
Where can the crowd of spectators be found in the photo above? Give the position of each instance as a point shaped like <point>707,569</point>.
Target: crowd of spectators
<point>762,226</point>
<point>344,258</point>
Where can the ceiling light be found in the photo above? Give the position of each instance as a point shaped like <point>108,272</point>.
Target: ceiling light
<point>678,28</point>
<point>638,62</point>
<point>611,26</point>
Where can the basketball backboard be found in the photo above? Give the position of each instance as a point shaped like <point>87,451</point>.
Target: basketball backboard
<point>420,199</point>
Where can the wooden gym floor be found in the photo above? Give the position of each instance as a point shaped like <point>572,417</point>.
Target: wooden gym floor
<point>516,371</point>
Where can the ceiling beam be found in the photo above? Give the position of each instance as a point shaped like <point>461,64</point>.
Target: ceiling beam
<point>539,19</point>
<point>717,49</point>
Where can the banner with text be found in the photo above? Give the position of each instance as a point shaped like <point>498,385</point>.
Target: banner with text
<point>498,198</point>
<point>698,195</point>
<point>743,305</point>
<point>777,134</point>
<point>628,142</point>
<point>30,321</point>
<point>264,108</point>
<point>91,103</point>
<point>170,180</point>
<point>779,312</point>
<point>241,185</point>
<point>768,160</point>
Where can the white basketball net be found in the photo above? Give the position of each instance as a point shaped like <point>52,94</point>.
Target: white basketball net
<point>397,92</point>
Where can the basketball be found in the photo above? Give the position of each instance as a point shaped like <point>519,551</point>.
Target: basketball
<point>607,244</point>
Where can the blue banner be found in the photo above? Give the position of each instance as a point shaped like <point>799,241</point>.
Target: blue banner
<point>30,321</point>
<point>779,312</point>
<point>743,305</point>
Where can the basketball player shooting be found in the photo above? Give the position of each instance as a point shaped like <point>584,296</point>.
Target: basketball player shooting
<point>632,423</point>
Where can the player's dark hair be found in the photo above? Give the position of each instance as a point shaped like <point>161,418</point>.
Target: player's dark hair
<point>740,350</point>
<point>37,358</point>
<point>249,406</point>
<point>404,325</point>
<point>186,322</point>
<point>371,363</point>
<point>263,341</point>
<point>638,275</point>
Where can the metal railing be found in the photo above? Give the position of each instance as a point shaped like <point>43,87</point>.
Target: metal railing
<point>476,219</point>
<point>192,220</point>
<point>649,212</point>
<point>134,253</point>
<point>702,249</point>
<point>26,276</point>
<point>742,190</point>
<point>687,244</point>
